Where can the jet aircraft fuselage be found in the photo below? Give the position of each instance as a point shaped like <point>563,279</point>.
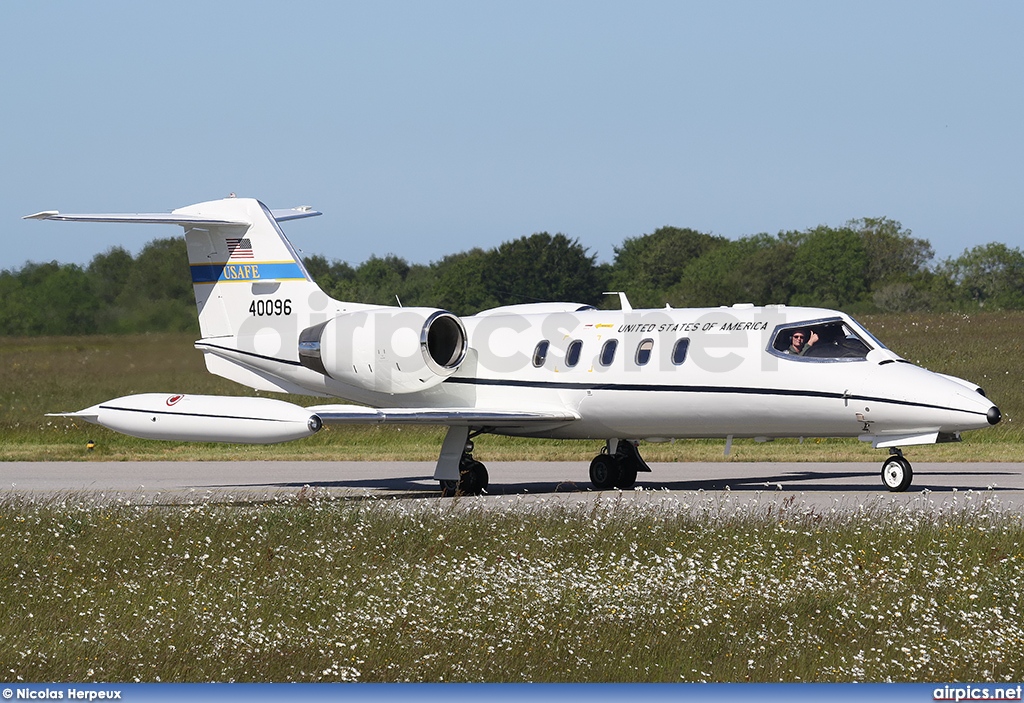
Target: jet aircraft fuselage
<point>559,370</point>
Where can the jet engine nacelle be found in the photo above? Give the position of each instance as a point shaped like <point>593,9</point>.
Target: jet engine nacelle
<point>387,350</point>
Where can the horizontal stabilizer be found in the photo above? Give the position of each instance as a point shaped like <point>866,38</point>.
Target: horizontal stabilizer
<point>295,213</point>
<point>152,218</point>
<point>356,414</point>
<point>168,218</point>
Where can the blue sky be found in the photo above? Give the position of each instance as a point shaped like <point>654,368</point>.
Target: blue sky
<point>426,128</point>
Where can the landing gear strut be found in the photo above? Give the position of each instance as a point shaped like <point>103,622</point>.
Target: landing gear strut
<point>617,465</point>
<point>473,477</point>
<point>897,472</point>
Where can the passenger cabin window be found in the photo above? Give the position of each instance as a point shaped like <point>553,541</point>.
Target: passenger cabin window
<point>830,340</point>
<point>608,352</point>
<point>679,351</point>
<point>572,354</point>
<point>540,353</point>
<point>643,352</point>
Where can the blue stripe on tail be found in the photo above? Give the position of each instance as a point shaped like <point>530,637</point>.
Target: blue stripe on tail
<point>246,273</point>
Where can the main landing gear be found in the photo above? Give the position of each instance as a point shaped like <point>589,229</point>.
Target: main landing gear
<point>617,465</point>
<point>897,472</point>
<point>473,477</point>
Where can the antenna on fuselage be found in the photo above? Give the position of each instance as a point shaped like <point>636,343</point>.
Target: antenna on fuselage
<point>623,300</point>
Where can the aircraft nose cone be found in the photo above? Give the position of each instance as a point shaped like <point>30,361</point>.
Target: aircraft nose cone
<point>994,416</point>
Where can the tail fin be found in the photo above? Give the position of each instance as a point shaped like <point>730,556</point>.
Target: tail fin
<point>243,268</point>
<point>230,242</point>
<point>253,293</point>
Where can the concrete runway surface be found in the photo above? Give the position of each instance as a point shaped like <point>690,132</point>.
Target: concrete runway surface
<point>818,485</point>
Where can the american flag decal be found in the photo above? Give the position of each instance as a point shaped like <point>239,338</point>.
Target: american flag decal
<point>239,248</point>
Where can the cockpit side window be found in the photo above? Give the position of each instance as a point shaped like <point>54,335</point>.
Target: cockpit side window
<point>830,340</point>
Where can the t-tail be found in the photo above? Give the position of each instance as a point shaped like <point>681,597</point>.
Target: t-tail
<point>253,293</point>
<point>243,265</point>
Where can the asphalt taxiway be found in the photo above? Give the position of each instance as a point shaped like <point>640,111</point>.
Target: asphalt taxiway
<point>812,484</point>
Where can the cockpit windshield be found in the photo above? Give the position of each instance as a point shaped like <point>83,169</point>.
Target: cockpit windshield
<point>832,339</point>
<point>874,341</point>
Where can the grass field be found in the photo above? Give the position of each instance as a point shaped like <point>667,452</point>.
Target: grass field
<point>40,375</point>
<point>313,589</point>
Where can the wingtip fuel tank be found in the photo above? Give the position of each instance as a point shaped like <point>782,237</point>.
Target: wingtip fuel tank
<point>203,418</point>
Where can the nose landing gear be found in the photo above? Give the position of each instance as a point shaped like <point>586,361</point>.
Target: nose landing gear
<point>897,472</point>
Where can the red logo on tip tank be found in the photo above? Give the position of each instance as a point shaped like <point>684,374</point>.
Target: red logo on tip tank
<point>174,399</point>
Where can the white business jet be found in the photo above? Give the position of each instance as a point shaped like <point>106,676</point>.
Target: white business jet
<point>557,370</point>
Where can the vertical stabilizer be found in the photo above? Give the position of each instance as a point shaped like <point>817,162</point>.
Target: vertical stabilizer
<point>242,271</point>
<point>252,291</point>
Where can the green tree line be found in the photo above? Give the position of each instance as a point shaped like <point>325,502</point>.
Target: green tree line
<point>866,265</point>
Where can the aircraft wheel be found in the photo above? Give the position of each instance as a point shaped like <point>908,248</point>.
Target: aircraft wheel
<point>897,474</point>
<point>474,479</point>
<point>605,471</point>
<point>627,478</point>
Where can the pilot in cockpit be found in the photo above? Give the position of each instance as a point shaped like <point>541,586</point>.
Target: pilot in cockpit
<point>801,340</point>
<point>824,339</point>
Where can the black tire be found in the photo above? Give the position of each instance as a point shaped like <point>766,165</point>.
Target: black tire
<point>897,474</point>
<point>627,478</point>
<point>604,471</point>
<point>474,479</point>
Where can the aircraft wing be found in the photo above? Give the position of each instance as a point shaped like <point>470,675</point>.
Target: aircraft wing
<point>460,417</point>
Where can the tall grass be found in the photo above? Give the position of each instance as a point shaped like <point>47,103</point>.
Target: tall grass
<point>41,375</point>
<point>649,589</point>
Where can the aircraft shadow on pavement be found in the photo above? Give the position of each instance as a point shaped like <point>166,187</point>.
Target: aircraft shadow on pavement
<point>412,486</point>
<point>406,486</point>
<point>867,480</point>
<point>835,481</point>
<point>415,487</point>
